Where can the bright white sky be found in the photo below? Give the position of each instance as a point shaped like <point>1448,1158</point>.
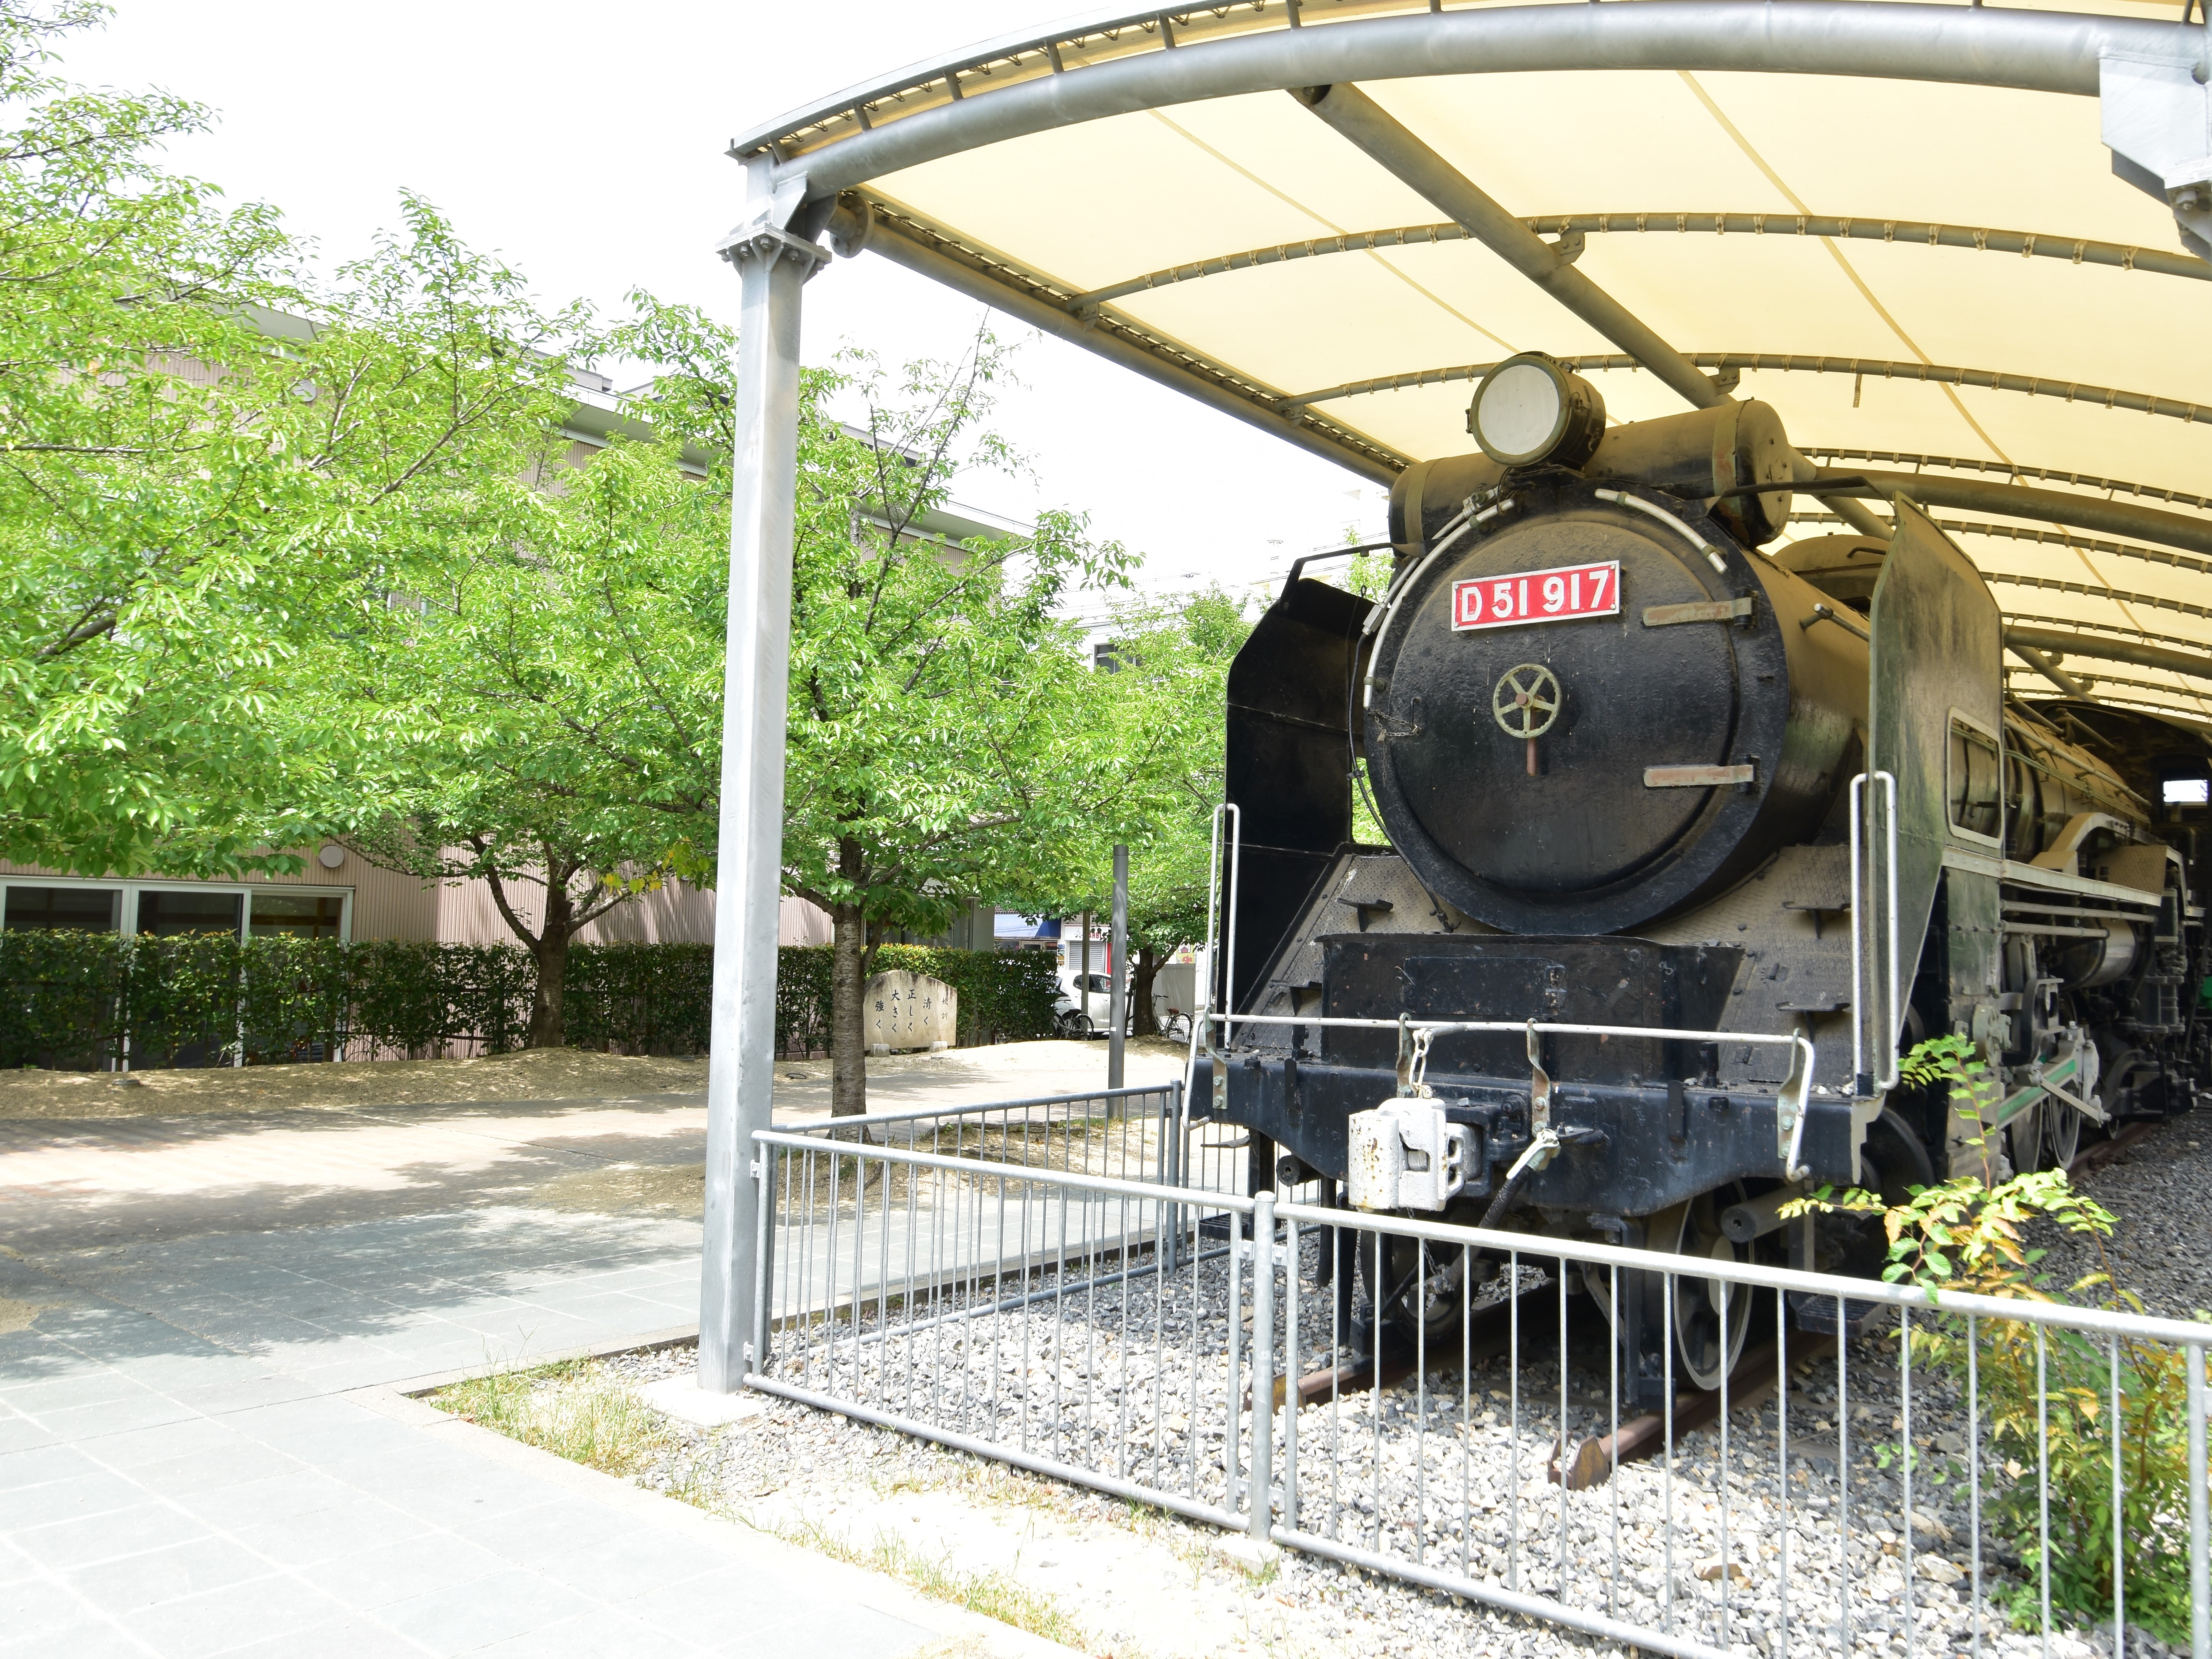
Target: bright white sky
<point>584,142</point>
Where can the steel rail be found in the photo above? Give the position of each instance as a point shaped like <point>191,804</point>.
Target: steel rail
<point>1775,363</point>
<point>2015,533</point>
<point>2003,469</point>
<point>1972,45</point>
<point>1906,232</point>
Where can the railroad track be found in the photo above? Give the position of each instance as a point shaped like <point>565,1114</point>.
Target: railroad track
<point>1591,1461</point>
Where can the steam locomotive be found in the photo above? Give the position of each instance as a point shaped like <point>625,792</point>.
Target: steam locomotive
<point>1776,810</point>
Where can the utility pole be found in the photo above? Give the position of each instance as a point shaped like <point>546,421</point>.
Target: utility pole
<point>1117,965</point>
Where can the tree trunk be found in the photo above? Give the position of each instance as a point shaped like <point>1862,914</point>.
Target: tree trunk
<point>548,1003</point>
<point>848,1053</point>
<point>1144,1022</point>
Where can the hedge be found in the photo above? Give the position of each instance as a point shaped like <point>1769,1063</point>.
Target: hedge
<point>75,999</point>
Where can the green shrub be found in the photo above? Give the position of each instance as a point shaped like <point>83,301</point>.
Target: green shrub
<point>1969,1233</point>
<point>76,1000</point>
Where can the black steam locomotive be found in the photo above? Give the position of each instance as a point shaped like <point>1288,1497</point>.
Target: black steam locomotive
<point>1638,776</point>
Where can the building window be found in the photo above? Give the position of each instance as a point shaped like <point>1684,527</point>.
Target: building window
<point>164,915</point>
<point>300,916</point>
<point>46,910</point>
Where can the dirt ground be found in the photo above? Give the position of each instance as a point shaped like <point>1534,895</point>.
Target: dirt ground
<point>533,1074</point>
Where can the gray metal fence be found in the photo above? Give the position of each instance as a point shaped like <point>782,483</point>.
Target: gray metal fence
<point>1078,1286</point>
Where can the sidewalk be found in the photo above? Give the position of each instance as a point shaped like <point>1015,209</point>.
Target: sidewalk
<point>206,1443</point>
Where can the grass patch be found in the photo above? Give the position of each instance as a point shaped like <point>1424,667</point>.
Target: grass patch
<point>994,1594</point>
<point>571,1409</point>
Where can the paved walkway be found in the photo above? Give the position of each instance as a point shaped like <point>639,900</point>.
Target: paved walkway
<point>207,1326</point>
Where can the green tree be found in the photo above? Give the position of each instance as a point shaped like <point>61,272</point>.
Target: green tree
<point>200,448</point>
<point>540,710</point>
<point>545,708</point>
<point>1162,697</point>
<point>943,739</point>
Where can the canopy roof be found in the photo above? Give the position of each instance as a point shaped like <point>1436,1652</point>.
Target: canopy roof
<point>1899,224</point>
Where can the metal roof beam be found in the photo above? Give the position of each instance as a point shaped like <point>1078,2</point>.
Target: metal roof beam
<point>2142,524</point>
<point>2194,664</point>
<point>909,243</point>
<point>2003,470</point>
<point>2066,539</point>
<point>1388,142</point>
<point>1906,232</point>
<point>1775,363</point>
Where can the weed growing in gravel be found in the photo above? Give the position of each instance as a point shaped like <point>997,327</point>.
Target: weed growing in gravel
<point>1967,1234</point>
<point>569,1409</point>
<point>994,1595</point>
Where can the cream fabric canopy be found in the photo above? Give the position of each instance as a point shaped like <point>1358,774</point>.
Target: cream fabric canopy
<point>1898,224</point>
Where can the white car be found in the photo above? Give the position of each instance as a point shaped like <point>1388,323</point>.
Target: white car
<point>1098,1017</point>
<point>1093,1015</point>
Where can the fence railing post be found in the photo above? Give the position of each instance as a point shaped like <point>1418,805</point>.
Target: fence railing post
<point>2200,1557</point>
<point>1263,1365</point>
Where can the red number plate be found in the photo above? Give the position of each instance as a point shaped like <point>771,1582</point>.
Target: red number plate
<point>1538,596</point>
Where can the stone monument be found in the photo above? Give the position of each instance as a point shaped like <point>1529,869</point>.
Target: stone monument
<point>900,1009</point>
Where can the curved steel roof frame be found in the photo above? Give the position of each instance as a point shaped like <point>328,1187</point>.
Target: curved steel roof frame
<point>1889,40</point>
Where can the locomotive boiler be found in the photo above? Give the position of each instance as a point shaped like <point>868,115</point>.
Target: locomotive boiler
<point>1682,844</point>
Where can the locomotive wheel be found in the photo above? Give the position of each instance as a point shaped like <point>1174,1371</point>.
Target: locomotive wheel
<point>2061,1134</point>
<point>1420,1291</point>
<point>2027,1137</point>
<point>1695,1230</point>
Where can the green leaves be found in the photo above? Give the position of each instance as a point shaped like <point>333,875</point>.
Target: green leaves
<point>203,453</point>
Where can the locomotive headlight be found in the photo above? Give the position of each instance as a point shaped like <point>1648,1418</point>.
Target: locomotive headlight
<point>1529,409</point>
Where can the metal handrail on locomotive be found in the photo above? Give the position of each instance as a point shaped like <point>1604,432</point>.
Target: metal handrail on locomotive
<point>1639,777</point>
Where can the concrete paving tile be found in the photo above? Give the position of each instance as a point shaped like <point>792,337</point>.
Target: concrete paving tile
<point>128,1583</point>
<point>601,1634</point>
<point>257,1610</point>
<point>92,1386</point>
<point>528,1535</point>
<point>82,1424</point>
<point>219,1398</point>
<point>275,1497</point>
<point>344,1638</point>
<point>725,1612</point>
<point>453,1494</point>
<point>89,1637</point>
<point>486,1610</point>
<point>100,1491</point>
<point>635,1561</point>
<point>19,1433</point>
<point>31,1355</point>
<point>370,1579</point>
<point>36,1465</point>
<point>209,1470</point>
<point>318,1535</point>
<point>94,1538</point>
<point>163,1442</point>
<point>31,1603</point>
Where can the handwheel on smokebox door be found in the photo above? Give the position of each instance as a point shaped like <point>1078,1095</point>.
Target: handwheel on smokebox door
<point>1525,703</point>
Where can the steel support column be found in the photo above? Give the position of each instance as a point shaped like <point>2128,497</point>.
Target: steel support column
<point>772,264</point>
<point>1117,951</point>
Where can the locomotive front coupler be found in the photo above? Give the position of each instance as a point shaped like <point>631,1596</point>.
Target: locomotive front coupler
<point>1639,1147</point>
